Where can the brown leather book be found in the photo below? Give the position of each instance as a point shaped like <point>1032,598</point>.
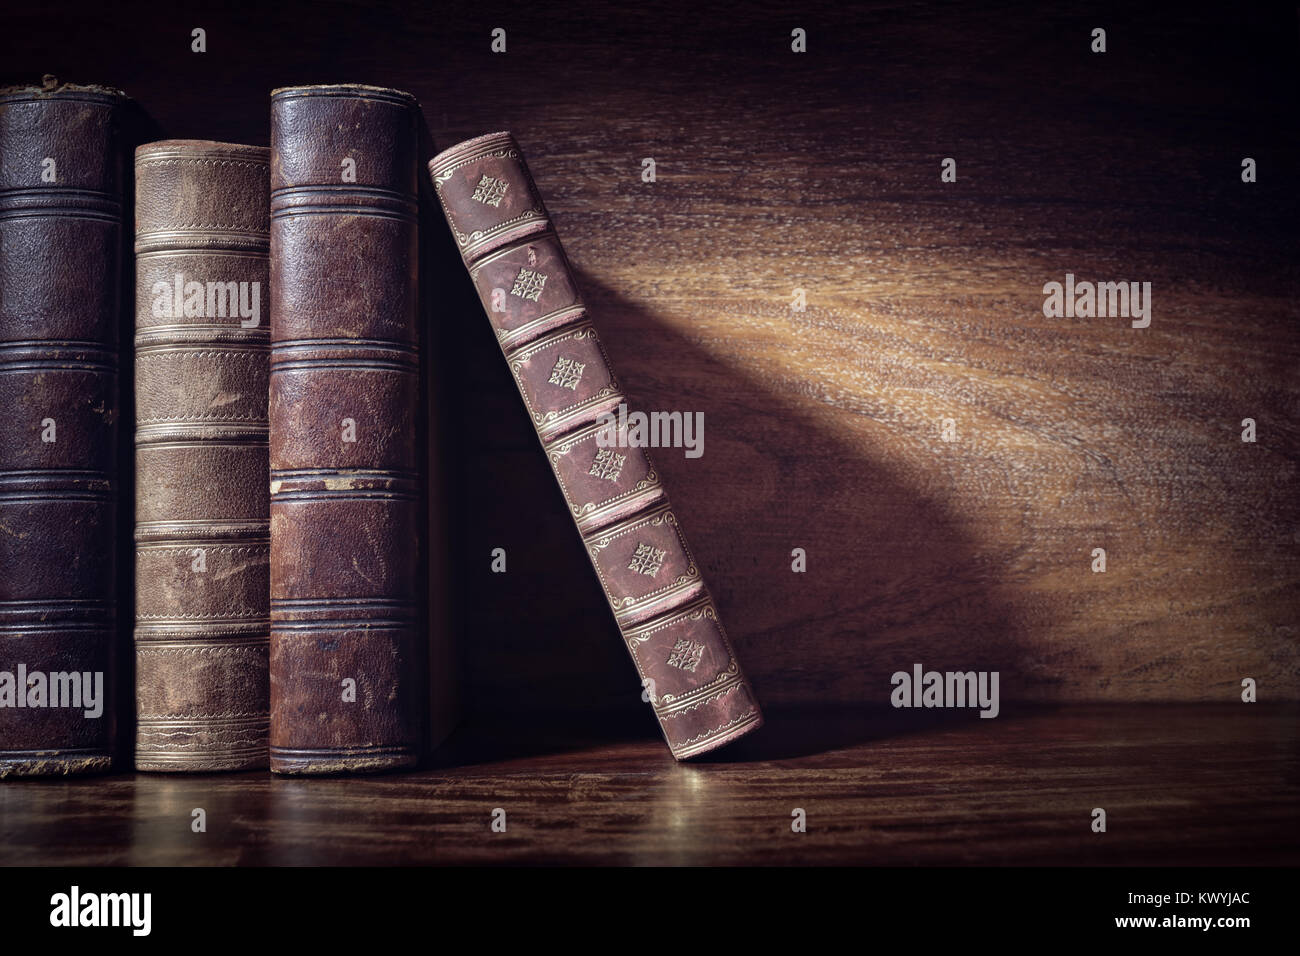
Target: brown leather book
<point>202,533</point>
<point>61,199</point>
<point>650,577</point>
<point>346,486</point>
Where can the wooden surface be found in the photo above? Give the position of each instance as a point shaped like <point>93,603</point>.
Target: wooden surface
<point>822,428</point>
<point>924,302</point>
<point>1207,784</point>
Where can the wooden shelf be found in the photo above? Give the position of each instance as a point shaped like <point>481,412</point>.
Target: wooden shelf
<point>1181,784</point>
<point>924,303</point>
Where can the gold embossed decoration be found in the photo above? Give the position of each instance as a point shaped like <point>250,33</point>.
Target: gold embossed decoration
<point>647,560</point>
<point>529,284</point>
<point>490,191</point>
<point>608,464</point>
<point>567,373</point>
<point>686,655</point>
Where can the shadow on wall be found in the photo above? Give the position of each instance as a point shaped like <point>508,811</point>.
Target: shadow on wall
<point>892,577</point>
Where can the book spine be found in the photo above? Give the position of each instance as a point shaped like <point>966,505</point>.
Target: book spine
<point>616,497</point>
<point>202,534</point>
<point>61,199</point>
<point>346,488</point>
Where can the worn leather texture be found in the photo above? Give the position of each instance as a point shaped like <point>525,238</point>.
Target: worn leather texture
<point>61,207</point>
<point>650,577</point>
<point>202,533</point>
<point>346,483</point>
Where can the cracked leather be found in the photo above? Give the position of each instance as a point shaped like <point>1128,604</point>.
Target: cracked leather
<point>202,534</point>
<point>346,490</point>
<point>61,199</point>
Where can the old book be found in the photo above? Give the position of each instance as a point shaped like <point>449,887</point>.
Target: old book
<point>650,577</point>
<point>61,201</point>
<point>346,482</point>
<point>202,533</point>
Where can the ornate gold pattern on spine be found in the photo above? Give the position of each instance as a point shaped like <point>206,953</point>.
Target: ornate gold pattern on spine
<point>589,515</point>
<point>652,581</point>
<point>627,607</point>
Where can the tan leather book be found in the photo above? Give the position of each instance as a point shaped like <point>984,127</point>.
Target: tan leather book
<point>202,356</point>
<point>61,246</point>
<point>651,579</point>
<point>347,489</point>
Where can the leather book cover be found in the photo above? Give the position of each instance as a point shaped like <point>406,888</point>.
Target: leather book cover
<point>202,533</point>
<point>346,484</point>
<point>616,497</point>
<point>61,207</point>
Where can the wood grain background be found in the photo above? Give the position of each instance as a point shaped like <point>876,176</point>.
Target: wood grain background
<point>822,428</point>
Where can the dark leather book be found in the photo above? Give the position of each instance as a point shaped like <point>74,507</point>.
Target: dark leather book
<point>61,205</point>
<point>650,577</point>
<point>202,533</point>
<point>346,483</point>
